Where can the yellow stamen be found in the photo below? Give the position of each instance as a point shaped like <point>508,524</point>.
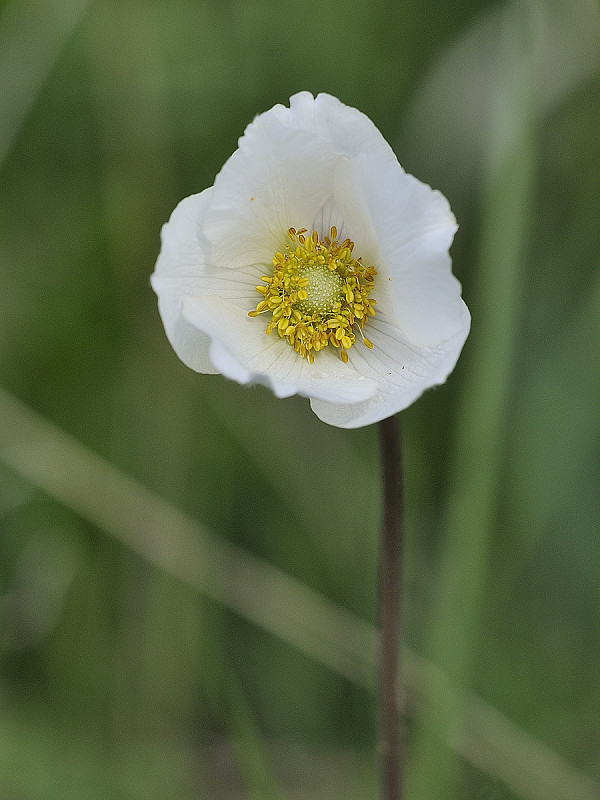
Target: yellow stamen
<point>318,294</point>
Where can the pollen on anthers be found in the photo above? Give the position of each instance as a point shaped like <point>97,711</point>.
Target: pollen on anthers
<point>318,294</point>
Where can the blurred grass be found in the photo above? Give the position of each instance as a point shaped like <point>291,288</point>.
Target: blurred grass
<point>118,681</point>
<point>274,601</point>
<point>475,467</point>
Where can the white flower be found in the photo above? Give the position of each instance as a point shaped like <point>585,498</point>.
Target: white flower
<point>316,266</point>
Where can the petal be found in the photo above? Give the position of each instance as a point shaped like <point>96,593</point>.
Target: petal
<point>410,226</point>
<point>279,178</point>
<point>182,270</point>
<point>401,371</point>
<point>242,351</point>
<point>184,253</point>
<point>282,175</point>
<point>348,130</point>
<point>327,217</point>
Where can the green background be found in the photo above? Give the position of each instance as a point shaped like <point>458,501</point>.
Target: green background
<point>141,655</point>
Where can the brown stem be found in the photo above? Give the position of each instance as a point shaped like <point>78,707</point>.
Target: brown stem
<point>389,597</point>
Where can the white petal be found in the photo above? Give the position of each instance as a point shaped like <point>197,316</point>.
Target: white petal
<point>401,371</point>
<point>348,130</point>
<point>183,270</point>
<point>243,352</point>
<point>279,178</point>
<point>183,244</point>
<point>412,227</point>
<point>184,252</point>
<point>282,175</point>
<point>330,216</point>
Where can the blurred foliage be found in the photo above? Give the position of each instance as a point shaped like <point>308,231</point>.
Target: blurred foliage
<point>116,679</point>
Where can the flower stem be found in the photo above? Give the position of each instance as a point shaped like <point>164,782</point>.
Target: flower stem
<point>388,609</point>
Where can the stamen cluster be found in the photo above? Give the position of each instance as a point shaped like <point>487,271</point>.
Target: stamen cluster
<point>318,294</point>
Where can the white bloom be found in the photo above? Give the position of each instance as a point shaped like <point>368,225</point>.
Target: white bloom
<point>314,234</point>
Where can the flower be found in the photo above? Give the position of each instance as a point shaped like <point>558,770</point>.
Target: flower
<point>316,266</point>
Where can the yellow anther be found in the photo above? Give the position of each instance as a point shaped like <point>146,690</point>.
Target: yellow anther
<point>318,294</point>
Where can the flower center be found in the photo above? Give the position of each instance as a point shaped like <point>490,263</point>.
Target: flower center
<point>317,295</point>
<point>323,291</point>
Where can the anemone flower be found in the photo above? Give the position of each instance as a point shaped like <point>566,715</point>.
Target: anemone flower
<point>317,266</point>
